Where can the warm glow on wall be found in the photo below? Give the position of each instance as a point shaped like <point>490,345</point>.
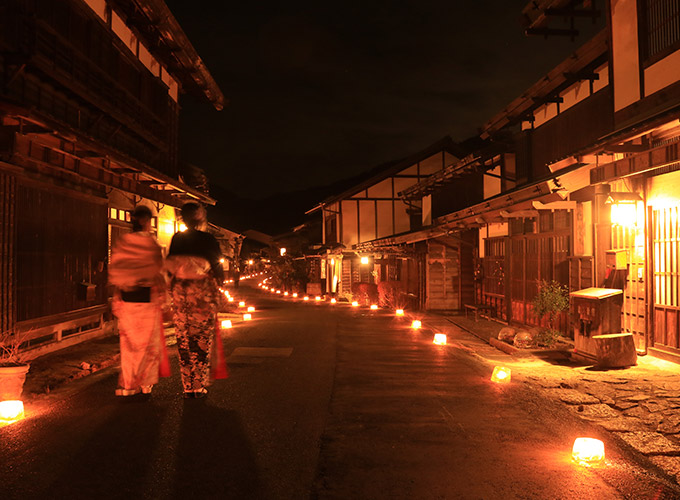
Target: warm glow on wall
<point>399,312</point>
<point>439,339</point>
<point>332,262</point>
<point>415,324</point>
<point>374,307</point>
<point>500,375</point>
<point>11,411</point>
<point>247,317</point>
<point>588,451</point>
<point>364,260</point>
<point>226,323</point>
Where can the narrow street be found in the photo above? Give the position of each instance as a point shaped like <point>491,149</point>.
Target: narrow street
<point>323,402</point>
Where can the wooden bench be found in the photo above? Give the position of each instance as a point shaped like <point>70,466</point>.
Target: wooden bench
<point>476,308</point>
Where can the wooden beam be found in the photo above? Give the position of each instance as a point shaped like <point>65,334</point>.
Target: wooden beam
<point>555,205</point>
<point>519,213</point>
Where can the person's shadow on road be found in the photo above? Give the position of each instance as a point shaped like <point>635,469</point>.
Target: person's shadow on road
<point>214,457</point>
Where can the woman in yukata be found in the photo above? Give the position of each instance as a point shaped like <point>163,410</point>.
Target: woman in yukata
<point>135,271</point>
<point>194,263</point>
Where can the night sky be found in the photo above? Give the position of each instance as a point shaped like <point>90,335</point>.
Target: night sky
<point>322,91</point>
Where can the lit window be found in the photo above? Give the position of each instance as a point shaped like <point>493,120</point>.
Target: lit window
<point>114,213</point>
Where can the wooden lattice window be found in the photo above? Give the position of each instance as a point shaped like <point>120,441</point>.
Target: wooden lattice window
<point>660,22</point>
<point>494,265</point>
<point>666,257</point>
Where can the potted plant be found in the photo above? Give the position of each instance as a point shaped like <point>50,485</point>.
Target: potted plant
<point>552,299</point>
<point>13,368</point>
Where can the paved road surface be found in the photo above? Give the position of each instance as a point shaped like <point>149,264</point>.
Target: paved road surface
<point>323,402</point>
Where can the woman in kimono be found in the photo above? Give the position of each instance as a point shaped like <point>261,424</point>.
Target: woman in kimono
<point>135,271</point>
<point>194,264</point>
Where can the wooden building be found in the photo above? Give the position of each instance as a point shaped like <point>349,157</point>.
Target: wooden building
<point>89,113</point>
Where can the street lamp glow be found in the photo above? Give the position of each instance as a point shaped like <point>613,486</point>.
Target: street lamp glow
<point>355,304</point>
<point>439,339</point>
<point>399,312</point>
<point>226,323</point>
<point>501,375</point>
<point>374,307</point>
<point>588,451</point>
<point>416,324</point>
<point>11,411</point>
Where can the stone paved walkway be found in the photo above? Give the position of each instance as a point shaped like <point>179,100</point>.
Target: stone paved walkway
<point>639,405</point>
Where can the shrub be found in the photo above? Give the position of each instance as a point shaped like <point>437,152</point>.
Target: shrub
<point>365,293</point>
<point>390,294</point>
<point>552,299</point>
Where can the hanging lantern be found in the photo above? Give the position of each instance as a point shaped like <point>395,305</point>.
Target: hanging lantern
<point>251,309</point>
<point>399,312</point>
<point>247,317</point>
<point>374,307</point>
<point>439,339</point>
<point>501,375</point>
<point>11,411</point>
<point>355,304</point>
<point>588,451</point>
<point>415,324</point>
<point>226,323</point>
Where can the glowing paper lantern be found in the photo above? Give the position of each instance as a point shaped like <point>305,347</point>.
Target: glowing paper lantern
<point>333,301</point>
<point>226,323</point>
<point>439,339</point>
<point>355,304</point>
<point>306,298</point>
<point>588,451</point>
<point>399,312</point>
<point>247,317</point>
<point>501,375</point>
<point>11,410</point>
<point>242,304</point>
<point>278,291</point>
<point>251,309</point>
<point>285,293</point>
<point>415,324</point>
<point>295,295</point>
<point>374,307</point>
<point>317,298</point>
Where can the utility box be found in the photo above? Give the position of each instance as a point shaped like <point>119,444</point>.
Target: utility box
<point>86,291</point>
<point>596,311</point>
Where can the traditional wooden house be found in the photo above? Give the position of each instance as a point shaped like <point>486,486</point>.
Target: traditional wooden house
<point>373,210</point>
<point>89,112</point>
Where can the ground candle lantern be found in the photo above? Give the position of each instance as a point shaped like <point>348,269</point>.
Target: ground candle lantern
<point>251,309</point>
<point>588,451</point>
<point>295,295</point>
<point>247,317</point>
<point>500,375</point>
<point>439,339</point>
<point>11,410</point>
<point>333,301</point>
<point>285,293</point>
<point>226,323</point>
<point>415,324</point>
<point>355,304</point>
<point>242,304</point>
<point>317,298</point>
<point>374,307</point>
<point>306,298</point>
<point>399,312</point>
